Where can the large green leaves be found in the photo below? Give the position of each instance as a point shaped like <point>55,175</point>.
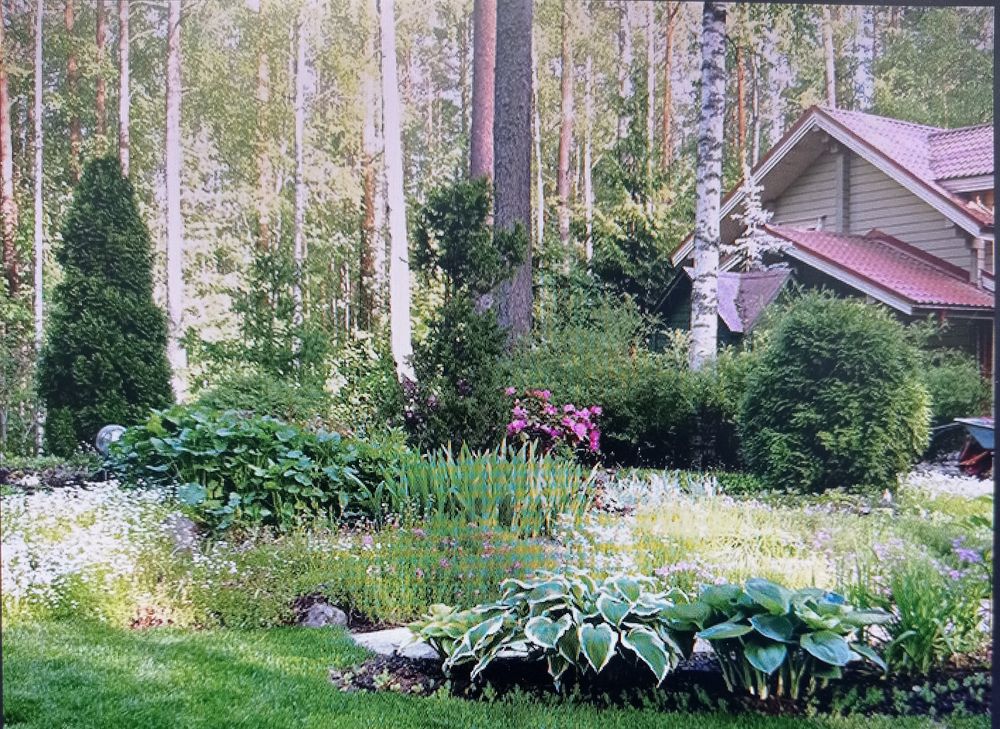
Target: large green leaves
<point>772,597</point>
<point>612,609</point>
<point>597,642</point>
<point>775,627</point>
<point>545,632</point>
<point>650,650</point>
<point>766,657</point>
<point>827,647</point>
<point>724,631</point>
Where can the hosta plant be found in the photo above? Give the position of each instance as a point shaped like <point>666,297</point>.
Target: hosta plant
<point>773,641</point>
<point>574,623</point>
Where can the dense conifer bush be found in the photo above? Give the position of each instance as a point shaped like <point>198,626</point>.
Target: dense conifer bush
<point>104,358</point>
<point>836,399</point>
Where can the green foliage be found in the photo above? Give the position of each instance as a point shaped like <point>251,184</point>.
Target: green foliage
<point>237,470</point>
<point>368,396</point>
<point>772,641</point>
<point>955,384</point>
<point>835,399</point>
<point>104,359</point>
<point>575,623</point>
<point>517,490</point>
<point>263,394</point>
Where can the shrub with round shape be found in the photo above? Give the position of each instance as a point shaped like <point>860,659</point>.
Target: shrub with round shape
<point>835,400</point>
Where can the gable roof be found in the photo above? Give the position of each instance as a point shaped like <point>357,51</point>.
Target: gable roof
<point>743,296</point>
<point>916,156</point>
<point>888,269</point>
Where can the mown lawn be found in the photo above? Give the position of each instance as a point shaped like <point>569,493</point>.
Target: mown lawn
<point>73,674</point>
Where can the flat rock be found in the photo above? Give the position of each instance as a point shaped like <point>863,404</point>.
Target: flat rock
<point>395,641</point>
<point>323,615</point>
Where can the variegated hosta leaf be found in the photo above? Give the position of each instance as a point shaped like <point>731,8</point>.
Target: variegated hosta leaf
<point>478,634</point>
<point>597,642</point>
<point>557,667</point>
<point>545,632</point>
<point>547,591</point>
<point>647,645</point>
<point>612,609</point>
<point>569,646</point>
<point>628,587</point>
<point>695,613</point>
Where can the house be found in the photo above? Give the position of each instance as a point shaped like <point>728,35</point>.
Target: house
<point>897,212</point>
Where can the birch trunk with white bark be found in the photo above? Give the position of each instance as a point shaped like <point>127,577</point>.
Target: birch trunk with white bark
<point>175,223</point>
<point>8,204</point>
<point>565,133</point>
<point>124,90</point>
<point>829,58</point>
<point>298,234</point>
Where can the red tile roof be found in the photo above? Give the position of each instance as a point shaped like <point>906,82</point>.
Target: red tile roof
<point>891,265</point>
<point>744,296</point>
<point>964,152</point>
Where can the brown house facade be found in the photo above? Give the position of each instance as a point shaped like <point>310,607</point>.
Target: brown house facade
<point>896,212</point>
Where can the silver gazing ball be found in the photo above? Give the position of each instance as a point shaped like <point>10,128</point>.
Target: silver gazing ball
<point>108,435</point>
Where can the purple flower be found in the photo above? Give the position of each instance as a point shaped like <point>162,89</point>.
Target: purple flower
<point>516,426</point>
<point>568,408</point>
<point>596,409</point>
<point>595,440</point>
<point>367,541</point>
<point>519,412</point>
<point>969,556</point>
<point>419,573</point>
<point>510,390</point>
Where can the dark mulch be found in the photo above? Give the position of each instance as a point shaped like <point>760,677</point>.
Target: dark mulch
<point>55,477</point>
<point>697,684</point>
<point>356,621</point>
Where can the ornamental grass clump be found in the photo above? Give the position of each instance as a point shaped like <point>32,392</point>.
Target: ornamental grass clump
<point>576,625</point>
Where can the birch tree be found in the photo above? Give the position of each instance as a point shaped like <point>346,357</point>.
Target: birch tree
<point>370,274</point>
<point>829,58</point>
<point>399,259</point>
<point>101,100</point>
<point>537,139</point>
<point>565,129</point>
<point>124,90</point>
<point>298,234</point>
<point>39,252</point>
<point>8,204</point>
<point>704,288</point>
<point>512,169</point>
<point>650,98</point>
<point>175,223</point>
<point>265,171</point>
<point>625,61</point>
<point>864,52</point>
<point>484,53</point>
<point>72,89</point>
<point>588,162</point>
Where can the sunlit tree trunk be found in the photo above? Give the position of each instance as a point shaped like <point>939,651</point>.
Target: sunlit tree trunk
<point>755,111</point>
<point>101,103</point>
<point>265,170</point>
<point>124,91</point>
<point>704,288</point>
<point>8,205</point>
<point>666,132</point>
<point>830,59</point>
<point>512,168</point>
<point>368,291</point>
<point>778,79</point>
<point>588,182</point>
<point>484,53</point>
<point>650,100</point>
<point>537,139</point>
<point>625,60</point>
<point>864,48</point>
<point>72,79</point>
<point>399,259</point>
<point>175,223</point>
<point>565,131</point>
<point>39,253</point>
<point>741,107</point>
<point>298,235</point>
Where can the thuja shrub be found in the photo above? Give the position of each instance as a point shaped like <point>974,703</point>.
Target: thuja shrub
<point>956,386</point>
<point>835,399</point>
<point>104,359</point>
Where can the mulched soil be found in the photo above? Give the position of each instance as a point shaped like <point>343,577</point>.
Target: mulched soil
<point>697,684</point>
<point>56,477</point>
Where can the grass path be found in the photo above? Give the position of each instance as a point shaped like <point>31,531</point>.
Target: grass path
<point>81,675</point>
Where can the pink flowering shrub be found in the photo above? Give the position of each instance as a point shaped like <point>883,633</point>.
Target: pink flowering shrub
<point>554,427</point>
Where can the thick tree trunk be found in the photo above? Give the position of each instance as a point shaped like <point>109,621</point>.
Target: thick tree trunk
<point>102,93</point>
<point>484,53</point>
<point>39,253</point>
<point>704,288</point>
<point>625,60</point>
<point>8,205</point>
<point>864,48</point>
<point>565,132</point>
<point>175,223</point>
<point>72,78</point>
<point>399,258</point>
<point>666,132</point>
<point>298,234</point>
<point>539,180</point>
<point>830,59</point>
<point>265,170</point>
<point>588,182</point>
<point>512,169</point>
<point>124,90</point>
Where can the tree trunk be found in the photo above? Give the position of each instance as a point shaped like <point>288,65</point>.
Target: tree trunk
<point>368,292</point>
<point>265,170</point>
<point>175,223</point>
<point>588,182</point>
<point>102,94</point>
<point>539,180</point>
<point>755,110</point>
<point>650,100</point>
<point>300,183</point>
<point>704,288</point>
<point>828,55</point>
<point>512,169</point>
<point>8,204</point>
<point>124,92</point>
<point>777,82</point>
<point>484,53</point>
<point>625,89</point>
<point>39,253</point>
<point>864,48</point>
<point>741,108</point>
<point>565,133</point>
<point>72,77</point>
<point>667,142</point>
<point>399,259</point>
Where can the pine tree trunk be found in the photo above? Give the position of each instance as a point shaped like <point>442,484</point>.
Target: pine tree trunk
<point>755,111</point>
<point>667,142</point>
<point>830,59</point>
<point>124,91</point>
<point>300,183</point>
<point>484,53</point>
<point>864,48</point>
<point>565,133</point>
<point>650,100</point>
<point>625,60</point>
<point>102,93</point>
<point>72,79</point>
<point>777,82</point>
<point>399,259</point>
<point>265,170</point>
<point>175,223</point>
<point>588,182</point>
<point>463,79</point>
<point>539,180</point>
<point>8,204</point>
<point>704,288</point>
<point>39,252</point>
<point>512,169</point>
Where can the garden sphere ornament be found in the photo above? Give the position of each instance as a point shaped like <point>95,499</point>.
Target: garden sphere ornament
<point>108,435</point>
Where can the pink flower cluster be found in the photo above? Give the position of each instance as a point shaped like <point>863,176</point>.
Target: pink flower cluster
<point>535,417</point>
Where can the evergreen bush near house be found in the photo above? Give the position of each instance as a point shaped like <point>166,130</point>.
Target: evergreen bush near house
<point>835,400</point>
<point>956,386</point>
<point>104,359</point>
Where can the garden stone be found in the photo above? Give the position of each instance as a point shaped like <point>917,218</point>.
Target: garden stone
<point>323,615</point>
<point>183,531</point>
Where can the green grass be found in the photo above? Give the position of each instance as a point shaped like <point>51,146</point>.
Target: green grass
<point>73,674</point>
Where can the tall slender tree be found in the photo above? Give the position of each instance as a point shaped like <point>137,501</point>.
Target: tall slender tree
<point>864,51</point>
<point>536,108</point>
<point>565,129</point>
<point>175,223</point>
<point>124,89</point>
<point>72,90</point>
<point>512,169</point>
<point>650,98</point>
<point>369,275</point>
<point>588,162</point>
<point>830,58</point>
<point>265,169</point>
<point>399,256</point>
<point>298,234</point>
<point>39,252</point>
<point>484,54</point>
<point>670,10</point>
<point>704,289</point>
<point>101,101</point>
<point>8,204</point>
<point>625,61</point>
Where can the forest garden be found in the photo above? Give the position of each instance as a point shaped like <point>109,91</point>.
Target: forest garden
<point>414,433</point>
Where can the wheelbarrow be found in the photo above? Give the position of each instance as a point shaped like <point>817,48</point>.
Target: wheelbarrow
<point>976,458</point>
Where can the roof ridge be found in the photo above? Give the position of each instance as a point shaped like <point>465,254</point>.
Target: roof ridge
<point>891,119</point>
<point>943,131</point>
<point>918,254</point>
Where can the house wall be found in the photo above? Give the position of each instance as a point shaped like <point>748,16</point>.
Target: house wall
<point>810,197</point>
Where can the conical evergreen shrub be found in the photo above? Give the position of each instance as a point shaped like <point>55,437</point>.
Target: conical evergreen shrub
<point>104,359</point>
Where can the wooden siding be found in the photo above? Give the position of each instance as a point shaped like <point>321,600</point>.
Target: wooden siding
<point>877,201</point>
<point>810,197</point>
